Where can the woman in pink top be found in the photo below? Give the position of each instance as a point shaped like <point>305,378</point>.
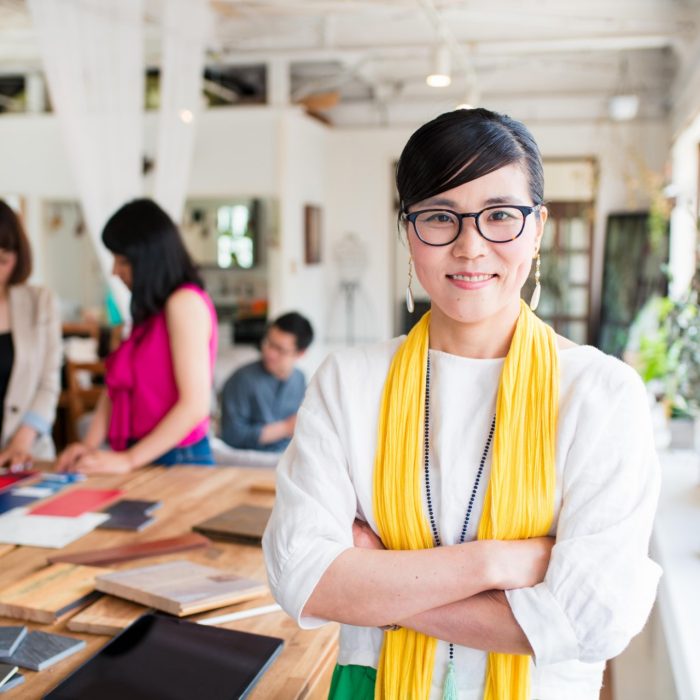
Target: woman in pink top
<point>155,409</point>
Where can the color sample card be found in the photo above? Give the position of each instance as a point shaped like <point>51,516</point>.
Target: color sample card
<point>77,502</point>
<point>245,523</point>
<point>134,522</point>
<point>42,489</point>
<point>133,506</point>
<point>10,638</point>
<point>10,479</point>
<point>39,650</point>
<point>130,514</point>
<point>17,527</point>
<point>10,500</point>
<point>64,477</point>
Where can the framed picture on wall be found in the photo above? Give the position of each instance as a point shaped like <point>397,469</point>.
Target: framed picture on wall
<point>312,234</point>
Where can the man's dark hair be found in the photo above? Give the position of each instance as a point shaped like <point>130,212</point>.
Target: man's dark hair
<point>149,239</point>
<point>298,326</point>
<point>13,238</point>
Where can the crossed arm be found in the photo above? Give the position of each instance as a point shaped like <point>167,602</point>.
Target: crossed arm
<point>453,593</point>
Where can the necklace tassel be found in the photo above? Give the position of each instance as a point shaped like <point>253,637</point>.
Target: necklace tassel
<point>449,688</point>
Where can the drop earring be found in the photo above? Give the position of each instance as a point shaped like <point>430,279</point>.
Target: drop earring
<point>409,292</point>
<point>535,300</point>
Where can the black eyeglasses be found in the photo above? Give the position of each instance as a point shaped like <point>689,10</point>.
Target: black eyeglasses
<point>497,224</point>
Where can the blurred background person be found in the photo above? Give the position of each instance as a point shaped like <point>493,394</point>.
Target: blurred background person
<point>259,401</point>
<point>30,351</point>
<point>155,409</point>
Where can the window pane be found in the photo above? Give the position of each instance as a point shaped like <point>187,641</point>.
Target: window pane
<point>577,301</point>
<point>575,234</point>
<point>576,331</point>
<point>576,268</point>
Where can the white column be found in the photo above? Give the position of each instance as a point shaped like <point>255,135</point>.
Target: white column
<point>278,82</point>
<point>683,217</point>
<point>35,89</point>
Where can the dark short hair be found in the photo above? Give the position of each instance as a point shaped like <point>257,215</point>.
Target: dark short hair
<point>463,145</point>
<point>298,326</point>
<point>149,239</point>
<point>13,237</point>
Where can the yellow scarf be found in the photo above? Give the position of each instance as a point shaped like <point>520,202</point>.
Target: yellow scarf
<point>519,500</point>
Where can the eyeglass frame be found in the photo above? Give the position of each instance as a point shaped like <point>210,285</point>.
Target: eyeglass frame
<point>524,210</point>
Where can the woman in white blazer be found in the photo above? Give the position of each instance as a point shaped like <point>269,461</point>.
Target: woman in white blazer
<point>30,352</point>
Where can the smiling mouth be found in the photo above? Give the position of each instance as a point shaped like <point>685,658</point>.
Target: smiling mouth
<point>472,278</point>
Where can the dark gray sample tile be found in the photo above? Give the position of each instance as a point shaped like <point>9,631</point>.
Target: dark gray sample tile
<point>39,650</point>
<point>10,637</point>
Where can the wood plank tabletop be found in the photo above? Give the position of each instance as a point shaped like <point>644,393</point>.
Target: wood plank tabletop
<point>189,495</point>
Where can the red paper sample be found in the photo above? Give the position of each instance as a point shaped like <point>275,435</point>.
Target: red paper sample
<point>77,502</point>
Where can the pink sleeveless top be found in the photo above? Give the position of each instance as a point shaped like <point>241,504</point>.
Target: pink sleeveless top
<point>141,381</point>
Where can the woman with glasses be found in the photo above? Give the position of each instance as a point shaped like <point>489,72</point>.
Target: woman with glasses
<point>155,409</point>
<point>473,501</point>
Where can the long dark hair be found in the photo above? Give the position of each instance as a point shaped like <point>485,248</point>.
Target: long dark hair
<point>461,146</point>
<point>13,237</point>
<point>149,239</point>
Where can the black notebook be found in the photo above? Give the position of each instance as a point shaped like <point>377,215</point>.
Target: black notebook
<point>164,658</point>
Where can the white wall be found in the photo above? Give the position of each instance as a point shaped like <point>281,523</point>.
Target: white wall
<point>302,167</point>
<point>360,200</point>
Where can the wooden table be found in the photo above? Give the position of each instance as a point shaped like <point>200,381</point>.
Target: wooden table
<point>189,495</point>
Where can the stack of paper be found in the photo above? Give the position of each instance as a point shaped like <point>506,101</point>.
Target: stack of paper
<point>18,527</point>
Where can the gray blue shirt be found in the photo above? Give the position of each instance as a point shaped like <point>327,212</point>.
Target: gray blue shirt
<point>252,398</point>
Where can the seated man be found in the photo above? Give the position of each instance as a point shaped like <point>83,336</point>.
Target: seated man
<point>259,402</point>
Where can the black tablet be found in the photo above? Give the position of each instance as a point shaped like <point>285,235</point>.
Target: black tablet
<point>164,658</point>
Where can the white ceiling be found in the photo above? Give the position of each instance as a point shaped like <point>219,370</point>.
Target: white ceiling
<point>544,60</point>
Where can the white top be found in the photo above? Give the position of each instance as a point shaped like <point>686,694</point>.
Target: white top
<point>600,585</point>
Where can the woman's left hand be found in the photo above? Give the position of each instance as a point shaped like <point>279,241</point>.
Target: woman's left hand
<point>103,462</point>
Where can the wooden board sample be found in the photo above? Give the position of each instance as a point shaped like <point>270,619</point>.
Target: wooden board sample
<point>180,587</point>
<point>108,615</point>
<point>264,487</point>
<point>137,550</point>
<point>245,523</point>
<point>49,593</point>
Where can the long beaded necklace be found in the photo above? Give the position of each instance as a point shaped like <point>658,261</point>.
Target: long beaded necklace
<point>470,505</point>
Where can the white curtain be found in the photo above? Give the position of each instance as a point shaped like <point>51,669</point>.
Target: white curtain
<point>92,52</point>
<point>185,28</point>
